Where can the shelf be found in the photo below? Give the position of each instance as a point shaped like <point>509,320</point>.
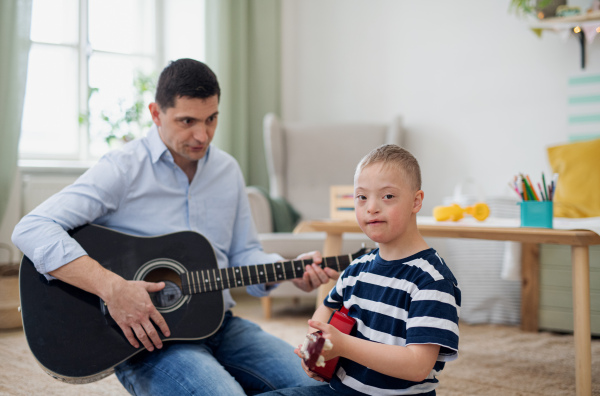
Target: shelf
<point>575,19</point>
<point>585,27</point>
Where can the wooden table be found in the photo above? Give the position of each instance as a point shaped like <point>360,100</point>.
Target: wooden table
<point>530,238</point>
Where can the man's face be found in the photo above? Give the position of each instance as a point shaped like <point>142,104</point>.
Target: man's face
<point>188,127</point>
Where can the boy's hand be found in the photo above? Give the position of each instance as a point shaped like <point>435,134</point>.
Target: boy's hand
<point>336,337</point>
<point>311,374</point>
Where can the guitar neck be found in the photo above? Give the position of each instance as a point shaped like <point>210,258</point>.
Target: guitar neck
<point>194,282</point>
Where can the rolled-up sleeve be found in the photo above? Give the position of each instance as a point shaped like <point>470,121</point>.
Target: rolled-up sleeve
<point>42,234</point>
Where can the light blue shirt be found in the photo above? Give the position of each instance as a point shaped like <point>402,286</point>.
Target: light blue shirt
<point>140,190</point>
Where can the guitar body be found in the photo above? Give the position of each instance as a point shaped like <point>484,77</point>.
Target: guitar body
<point>69,331</point>
<point>344,323</point>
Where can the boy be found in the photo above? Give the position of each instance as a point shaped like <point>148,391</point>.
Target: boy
<point>404,298</point>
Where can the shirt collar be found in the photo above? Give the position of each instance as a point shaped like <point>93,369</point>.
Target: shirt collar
<point>158,148</point>
<point>156,145</point>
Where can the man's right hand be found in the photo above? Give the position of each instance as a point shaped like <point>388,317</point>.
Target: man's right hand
<point>128,302</point>
<point>130,306</point>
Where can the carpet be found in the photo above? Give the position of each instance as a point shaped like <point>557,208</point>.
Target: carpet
<point>493,359</point>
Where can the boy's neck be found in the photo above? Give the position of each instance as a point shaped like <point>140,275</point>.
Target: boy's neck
<point>411,244</point>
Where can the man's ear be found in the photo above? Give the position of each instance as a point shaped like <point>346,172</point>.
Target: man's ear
<point>154,112</point>
<point>418,201</point>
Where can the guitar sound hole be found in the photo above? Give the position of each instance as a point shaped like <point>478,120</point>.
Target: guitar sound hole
<point>171,294</point>
<point>167,297</point>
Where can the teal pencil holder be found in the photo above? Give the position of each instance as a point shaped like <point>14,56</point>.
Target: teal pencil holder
<point>537,214</point>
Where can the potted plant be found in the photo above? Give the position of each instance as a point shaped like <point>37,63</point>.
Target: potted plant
<point>127,119</point>
<point>538,8</point>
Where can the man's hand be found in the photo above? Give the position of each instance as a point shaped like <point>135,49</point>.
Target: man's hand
<point>314,276</point>
<point>131,307</point>
<point>128,302</point>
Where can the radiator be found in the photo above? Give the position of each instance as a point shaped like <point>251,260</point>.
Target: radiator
<point>37,188</point>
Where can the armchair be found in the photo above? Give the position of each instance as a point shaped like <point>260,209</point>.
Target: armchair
<point>303,161</point>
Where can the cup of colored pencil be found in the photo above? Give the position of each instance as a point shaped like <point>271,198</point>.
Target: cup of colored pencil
<point>536,204</point>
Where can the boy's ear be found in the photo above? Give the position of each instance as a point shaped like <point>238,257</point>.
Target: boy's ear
<point>418,201</point>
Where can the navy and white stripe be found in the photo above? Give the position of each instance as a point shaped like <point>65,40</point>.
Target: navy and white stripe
<point>415,300</point>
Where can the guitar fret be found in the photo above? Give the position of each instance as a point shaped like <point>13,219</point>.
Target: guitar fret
<point>247,276</point>
<point>221,277</point>
<point>228,281</point>
<point>189,286</point>
<point>257,276</point>
<point>233,281</point>
<point>199,285</point>
<point>288,269</point>
<point>214,279</point>
<point>300,268</point>
<point>294,269</point>
<point>264,272</point>
<point>280,274</point>
<point>203,284</point>
<point>238,282</point>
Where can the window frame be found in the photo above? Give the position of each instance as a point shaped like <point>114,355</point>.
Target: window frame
<point>84,53</point>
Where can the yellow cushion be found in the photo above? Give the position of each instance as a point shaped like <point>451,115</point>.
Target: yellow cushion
<point>578,168</point>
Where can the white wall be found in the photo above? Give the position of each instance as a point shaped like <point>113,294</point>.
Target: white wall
<point>481,95</point>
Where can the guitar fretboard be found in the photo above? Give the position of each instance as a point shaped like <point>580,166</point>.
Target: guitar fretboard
<point>194,282</point>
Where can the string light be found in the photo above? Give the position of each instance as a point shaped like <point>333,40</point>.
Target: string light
<point>577,29</point>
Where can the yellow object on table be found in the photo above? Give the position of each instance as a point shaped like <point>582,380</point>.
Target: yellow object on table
<point>455,212</point>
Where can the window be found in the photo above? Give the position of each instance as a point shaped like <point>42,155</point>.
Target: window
<point>83,59</point>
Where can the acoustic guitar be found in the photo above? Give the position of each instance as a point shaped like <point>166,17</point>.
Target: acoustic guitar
<point>74,338</point>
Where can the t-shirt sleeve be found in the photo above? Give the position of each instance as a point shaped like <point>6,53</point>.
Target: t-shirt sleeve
<point>335,298</point>
<point>433,318</point>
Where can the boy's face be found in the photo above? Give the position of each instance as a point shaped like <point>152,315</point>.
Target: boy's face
<point>385,203</point>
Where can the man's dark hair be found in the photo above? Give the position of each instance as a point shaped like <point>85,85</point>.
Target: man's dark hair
<point>185,77</point>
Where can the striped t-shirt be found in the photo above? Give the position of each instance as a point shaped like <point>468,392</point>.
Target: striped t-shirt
<point>415,300</point>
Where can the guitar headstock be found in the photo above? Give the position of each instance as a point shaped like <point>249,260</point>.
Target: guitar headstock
<point>311,349</point>
<point>364,250</point>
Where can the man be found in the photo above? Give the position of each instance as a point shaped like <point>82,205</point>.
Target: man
<point>171,180</point>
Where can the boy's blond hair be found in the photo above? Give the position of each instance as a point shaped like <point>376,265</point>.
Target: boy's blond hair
<point>394,156</point>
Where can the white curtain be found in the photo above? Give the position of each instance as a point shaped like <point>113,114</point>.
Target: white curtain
<point>15,24</point>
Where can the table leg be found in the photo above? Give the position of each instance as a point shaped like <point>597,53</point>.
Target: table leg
<point>580,261</point>
<point>332,247</point>
<point>530,286</point>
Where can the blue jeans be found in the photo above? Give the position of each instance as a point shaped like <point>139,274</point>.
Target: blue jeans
<point>320,390</point>
<point>239,359</point>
